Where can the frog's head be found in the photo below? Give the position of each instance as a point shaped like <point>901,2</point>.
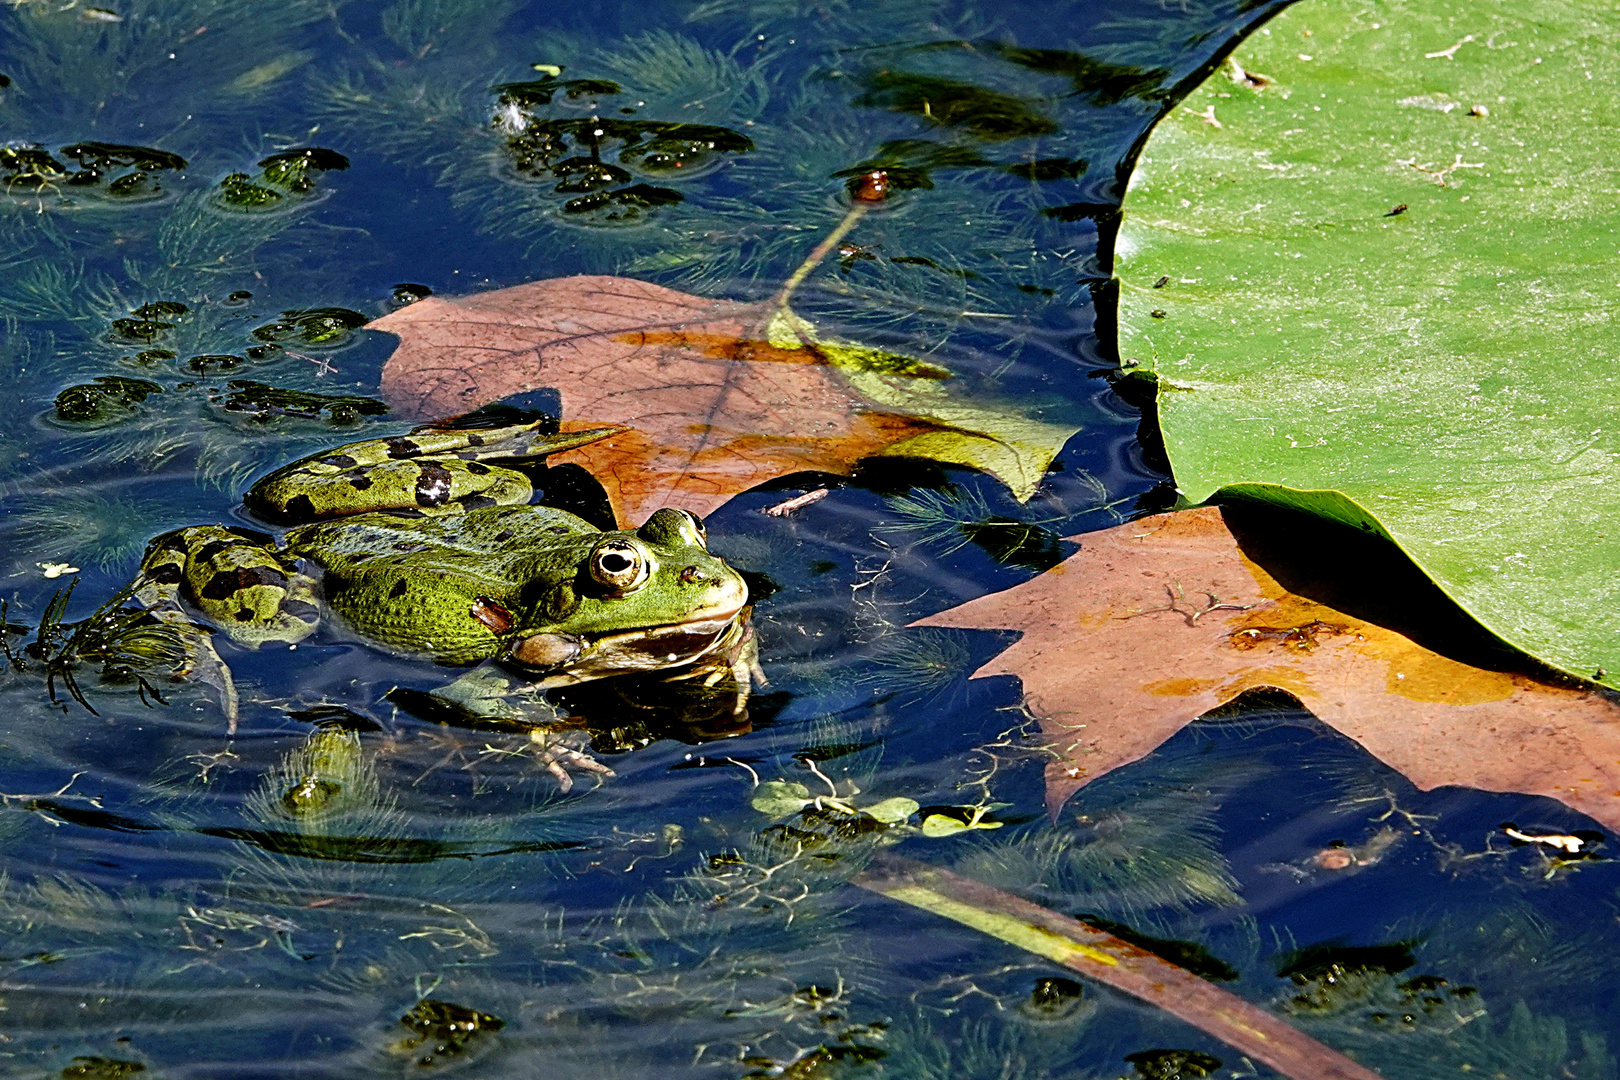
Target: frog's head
<point>639,600</point>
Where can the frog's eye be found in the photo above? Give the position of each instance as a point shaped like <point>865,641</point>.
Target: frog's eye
<point>697,527</point>
<point>618,565</point>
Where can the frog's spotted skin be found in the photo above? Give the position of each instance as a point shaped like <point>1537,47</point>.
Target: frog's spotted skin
<point>427,472</point>
<point>235,579</point>
<point>428,551</point>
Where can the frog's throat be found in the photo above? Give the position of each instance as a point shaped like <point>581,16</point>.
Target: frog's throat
<point>654,649</point>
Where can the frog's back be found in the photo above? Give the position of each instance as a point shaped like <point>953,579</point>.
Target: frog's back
<point>433,587</point>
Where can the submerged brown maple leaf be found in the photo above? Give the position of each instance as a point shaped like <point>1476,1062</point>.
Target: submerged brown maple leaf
<point>1153,623</point>
<point>715,396</point>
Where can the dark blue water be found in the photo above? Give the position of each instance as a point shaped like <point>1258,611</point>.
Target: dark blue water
<point>163,909</point>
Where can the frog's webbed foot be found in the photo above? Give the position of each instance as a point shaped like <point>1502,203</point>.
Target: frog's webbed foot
<point>561,751</point>
<point>489,695</point>
<point>737,657</point>
<point>203,662</point>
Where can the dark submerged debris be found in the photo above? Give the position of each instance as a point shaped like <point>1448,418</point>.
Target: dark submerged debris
<point>443,1029</point>
<point>87,1067</point>
<point>108,399</point>
<point>572,151</point>
<point>1054,997</point>
<point>813,1063</point>
<point>407,293</point>
<point>290,169</point>
<point>161,309</point>
<point>110,170</point>
<point>137,331</point>
<point>239,192</point>
<point>285,178</point>
<point>99,158</point>
<point>1048,169</point>
<point>264,402</point>
<point>212,362</point>
<point>335,718</point>
<point>1173,1064</point>
<point>908,164</point>
<point>541,91</point>
<point>1330,962</point>
<point>979,111</point>
<point>1101,213</point>
<point>1188,955</point>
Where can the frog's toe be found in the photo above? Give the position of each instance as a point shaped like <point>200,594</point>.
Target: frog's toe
<point>561,751</point>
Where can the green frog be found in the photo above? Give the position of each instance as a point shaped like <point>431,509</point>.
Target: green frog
<point>426,546</point>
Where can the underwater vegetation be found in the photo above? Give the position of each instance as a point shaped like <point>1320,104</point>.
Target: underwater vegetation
<point>202,205</point>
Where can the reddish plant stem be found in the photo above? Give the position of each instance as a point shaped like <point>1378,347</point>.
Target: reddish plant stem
<point>1246,1028</point>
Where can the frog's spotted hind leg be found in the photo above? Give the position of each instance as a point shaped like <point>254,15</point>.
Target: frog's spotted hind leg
<point>430,471</point>
<point>234,578</point>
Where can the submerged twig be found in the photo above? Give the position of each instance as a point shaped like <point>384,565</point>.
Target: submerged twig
<point>1246,1028</point>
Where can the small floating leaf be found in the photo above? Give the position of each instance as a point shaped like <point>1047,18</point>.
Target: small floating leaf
<point>312,327</point>
<point>541,91</point>
<point>263,401</point>
<point>290,169</point>
<point>310,796</point>
<point>940,821</point>
<point>108,398</point>
<point>240,192</point>
<point>99,156</point>
<point>895,811</point>
<point>780,798</point>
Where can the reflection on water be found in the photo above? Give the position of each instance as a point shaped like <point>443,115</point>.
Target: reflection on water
<point>202,203</point>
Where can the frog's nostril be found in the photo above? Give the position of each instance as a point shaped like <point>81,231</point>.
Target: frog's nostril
<point>692,574</point>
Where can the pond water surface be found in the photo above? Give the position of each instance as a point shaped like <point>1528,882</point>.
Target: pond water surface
<point>170,907</point>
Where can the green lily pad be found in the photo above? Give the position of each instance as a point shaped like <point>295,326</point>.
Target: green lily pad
<point>1373,265</point>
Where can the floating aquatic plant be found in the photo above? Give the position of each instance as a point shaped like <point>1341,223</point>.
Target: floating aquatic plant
<point>129,644</point>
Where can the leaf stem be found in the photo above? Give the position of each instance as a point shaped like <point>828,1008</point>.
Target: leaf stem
<point>814,259</point>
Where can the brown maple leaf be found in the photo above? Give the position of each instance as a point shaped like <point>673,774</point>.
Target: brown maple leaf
<point>716,396</point>
<point>1153,623</point>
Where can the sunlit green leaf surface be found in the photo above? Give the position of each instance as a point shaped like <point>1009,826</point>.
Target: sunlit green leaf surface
<point>1381,260</point>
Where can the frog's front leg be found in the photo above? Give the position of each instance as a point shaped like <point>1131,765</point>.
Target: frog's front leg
<point>431,471</point>
<point>236,579</point>
<point>490,694</point>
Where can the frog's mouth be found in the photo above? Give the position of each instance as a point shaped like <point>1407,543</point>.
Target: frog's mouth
<point>580,658</point>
